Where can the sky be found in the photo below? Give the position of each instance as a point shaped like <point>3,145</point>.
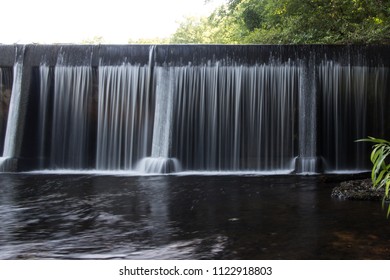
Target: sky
<point>72,21</point>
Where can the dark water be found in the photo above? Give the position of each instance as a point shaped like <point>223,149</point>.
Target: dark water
<point>185,217</point>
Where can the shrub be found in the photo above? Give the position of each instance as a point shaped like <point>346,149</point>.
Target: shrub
<point>380,174</point>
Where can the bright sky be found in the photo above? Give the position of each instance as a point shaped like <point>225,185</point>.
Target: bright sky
<point>71,21</point>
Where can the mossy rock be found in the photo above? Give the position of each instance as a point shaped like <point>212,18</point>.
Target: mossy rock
<point>358,190</point>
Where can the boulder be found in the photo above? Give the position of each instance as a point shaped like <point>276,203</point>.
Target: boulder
<point>358,190</point>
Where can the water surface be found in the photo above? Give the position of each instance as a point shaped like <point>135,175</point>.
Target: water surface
<point>89,216</point>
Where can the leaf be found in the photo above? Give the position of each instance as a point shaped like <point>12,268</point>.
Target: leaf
<point>379,177</point>
<point>373,140</point>
<point>375,154</point>
<point>387,186</point>
<point>380,173</point>
<point>388,211</point>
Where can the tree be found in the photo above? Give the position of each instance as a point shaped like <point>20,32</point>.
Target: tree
<point>293,22</point>
<point>193,30</point>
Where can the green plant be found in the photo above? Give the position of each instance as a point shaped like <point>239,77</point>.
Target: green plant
<point>380,157</point>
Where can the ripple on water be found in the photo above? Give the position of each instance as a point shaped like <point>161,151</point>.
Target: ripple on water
<point>184,217</point>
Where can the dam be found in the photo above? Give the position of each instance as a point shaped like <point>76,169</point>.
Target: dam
<point>203,108</point>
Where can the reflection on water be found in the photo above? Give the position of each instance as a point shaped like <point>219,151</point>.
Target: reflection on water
<point>185,217</point>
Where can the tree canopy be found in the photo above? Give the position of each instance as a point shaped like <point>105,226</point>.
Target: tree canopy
<point>290,22</point>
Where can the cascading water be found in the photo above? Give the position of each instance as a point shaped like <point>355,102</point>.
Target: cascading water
<point>307,161</point>
<point>43,120</point>
<point>5,96</point>
<point>160,160</point>
<point>196,108</point>
<point>122,133</point>
<point>8,161</point>
<point>69,141</point>
<point>9,143</point>
<point>235,117</point>
<point>347,93</point>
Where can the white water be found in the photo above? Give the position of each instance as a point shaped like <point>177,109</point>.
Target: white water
<point>43,120</point>
<point>160,161</point>
<point>6,80</point>
<point>202,118</point>
<point>7,161</point>
<point>123,116</point>
<point>13,113</point>
<point>208,118</point>
<point>217,118</point>
<point>158,165</point>
<point>350,96</point>
<point>235,117</point>
<point>127,173</point>
<point>307,157</point>
<point>69,139</point>
<point>162,129</point>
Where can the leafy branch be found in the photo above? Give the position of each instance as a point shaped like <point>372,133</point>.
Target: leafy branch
<point>380,174</point>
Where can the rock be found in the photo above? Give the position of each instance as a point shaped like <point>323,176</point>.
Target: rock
<point>358,190</point>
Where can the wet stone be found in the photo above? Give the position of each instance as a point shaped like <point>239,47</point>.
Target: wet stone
<point>357,190</point>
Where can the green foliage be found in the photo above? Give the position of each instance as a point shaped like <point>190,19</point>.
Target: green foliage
<point>291,22</point>
<point>192,31</point>
<point>380,173</point>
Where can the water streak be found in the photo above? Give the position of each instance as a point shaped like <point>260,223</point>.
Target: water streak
<point>215,116</point>
<point>14,118</point>
<point>235,117</point>
<point>13,114</point>
<point>307,161</point>
<point>160,160</point>
<point>122,133</point>
<point>5,96</point>
<point>72,90</point>
<point>43,120</point>
<point>351,95</point>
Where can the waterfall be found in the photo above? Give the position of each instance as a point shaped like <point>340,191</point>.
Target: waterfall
<point>122,133</point>
<point>160,160</point>
<point>10,150</point>
<point>9,143</point>
<point>164,109</point>
<point>162,130</point>
<point>69,140</point>
<point>307,161</point>
<point>347,92</point>
<point>5,96</point>
<point>215,117</point>
<point>43,120</point>
<point>235,117</point>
